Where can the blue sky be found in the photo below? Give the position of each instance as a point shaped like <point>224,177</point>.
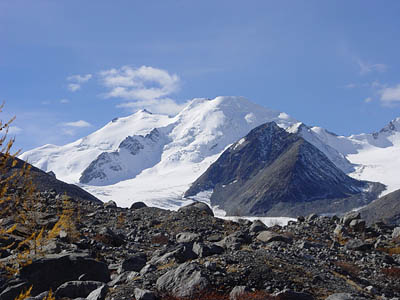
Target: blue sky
<point>69,67</point>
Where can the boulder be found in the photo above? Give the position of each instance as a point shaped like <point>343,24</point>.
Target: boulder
<point>396,233</point>
<point>138,205</point>
<point>238,292</point>
<point>110,204</point>
<point>53,270</point>
<point>76,289</point>
<point>357,225</point>
<point>292,295</point>
<point>257,226</point>
<point>184,281</point>
<point>347,218</point>
<point>269,236</point>
<point>197,208</point>
<point>204,250</point>
<point>109,237</point>
<point>134,263</point>
<point>187,237</point>
<point>144,294</point>
<point>357,245</point>
<point>98,294</point>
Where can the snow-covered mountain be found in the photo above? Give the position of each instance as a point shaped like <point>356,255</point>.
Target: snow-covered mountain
<point>376,156</point>
<point>149,157</point>
<point>154,158</point>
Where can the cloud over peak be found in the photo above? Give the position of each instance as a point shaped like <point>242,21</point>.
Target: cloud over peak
<point>366,67</point>
<point>390,95</point>
<point>77,124</point>
<point>144,83</point>
<point>77,81</point>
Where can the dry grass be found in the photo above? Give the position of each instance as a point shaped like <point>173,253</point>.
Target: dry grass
<point>390,251</point>
<point>391,272</point>
<point>258,295</point>
<point>349,268</point>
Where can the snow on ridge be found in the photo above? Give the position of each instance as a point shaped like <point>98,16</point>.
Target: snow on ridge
<point>195,137</point>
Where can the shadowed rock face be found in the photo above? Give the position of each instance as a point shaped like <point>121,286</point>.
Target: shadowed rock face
<point>386,208</point>
<point>274,173</point>
<point>47,181</point>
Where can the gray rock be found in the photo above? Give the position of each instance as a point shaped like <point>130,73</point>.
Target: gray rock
<point>357,245</point>
<point>53,270</point>
<point>269,236</point>
<point>311,217</point>
<point>203,250</point>
<point>234,240</point>
<point>144,294</point>
<point>11,292</point>
<point>98,294</point>
<point>184,281</point>
<point>292,295</point>
<point>110,204</point>
<point>197,207</point>
<point>138,205</point>
<point>133,263</point>
<point>187,237</point>
<point>257,226</point>
<point>237,292</point>
<point>396,233</point>
<point>341,296</point>
<point>357,225</point>
<point>75,289</point>
<point>109,237</point>
<point>339,231</point>
<point>346,219</point>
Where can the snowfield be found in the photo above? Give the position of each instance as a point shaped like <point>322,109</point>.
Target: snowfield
<point>154,158</point>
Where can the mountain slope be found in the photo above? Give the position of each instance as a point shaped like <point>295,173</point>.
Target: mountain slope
<point>46,182</point>
<point>375,156</point>
<point>386,208</point>
<point>273,172</point>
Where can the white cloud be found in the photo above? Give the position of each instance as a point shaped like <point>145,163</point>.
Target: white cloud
<point>77,124</point>
<point>366,67</point>
<point>73,87</point>
<point>390,94</point>
<point>350,86</point>
<point>368,100</point>
<point>144,83</point>
<point>162,106</point>
<point>14,130</point>
<point>64,101</point>
<point>80,78</point>
<point>77,81</point>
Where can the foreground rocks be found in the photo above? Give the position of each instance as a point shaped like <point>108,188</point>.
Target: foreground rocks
<point>148,253</point>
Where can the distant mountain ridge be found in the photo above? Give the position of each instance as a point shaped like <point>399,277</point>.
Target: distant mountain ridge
<point>48,182</point>
<point>118,162</point>
<point>271,172</point>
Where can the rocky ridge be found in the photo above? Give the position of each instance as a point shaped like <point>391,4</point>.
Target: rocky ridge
<point>150,253</point>
<point>271,172</point>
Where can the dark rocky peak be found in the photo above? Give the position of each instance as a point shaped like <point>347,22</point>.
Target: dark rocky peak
<point>47,181</point>
<point>275,173</point>
<point>393,126</point>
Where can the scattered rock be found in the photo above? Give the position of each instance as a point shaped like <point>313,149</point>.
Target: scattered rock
<point>269,236</point>
<point>138,205</point>
<point>134,263</point>
<point>54,270</point>
<point>144,294</point>
<point>184,281</point>
<point>197,207</point>
<point>110,204</point>
<point>238,292</point>
<point>75,289</point>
